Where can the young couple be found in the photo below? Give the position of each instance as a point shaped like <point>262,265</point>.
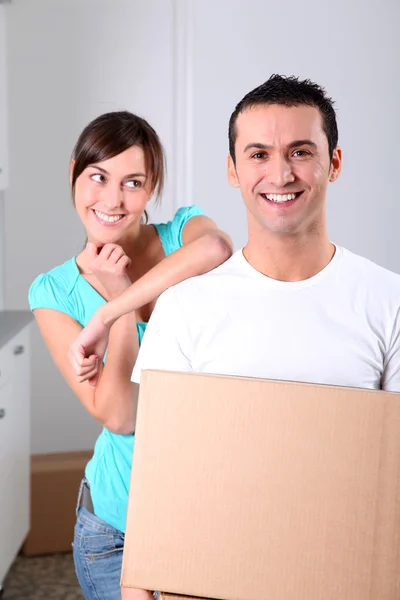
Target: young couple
<point>290,305</point>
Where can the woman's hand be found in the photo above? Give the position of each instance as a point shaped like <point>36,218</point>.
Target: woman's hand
<point>109,264</point>
<point>87,352</point>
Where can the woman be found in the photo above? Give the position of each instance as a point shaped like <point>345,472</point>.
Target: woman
<point>117,167</point>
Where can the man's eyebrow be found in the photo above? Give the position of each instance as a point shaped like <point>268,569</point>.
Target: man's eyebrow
<point>302,143</point>
<point>294,144</point>
<point>257,146</point>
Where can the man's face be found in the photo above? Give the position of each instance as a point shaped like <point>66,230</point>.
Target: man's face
<point>283,168</point>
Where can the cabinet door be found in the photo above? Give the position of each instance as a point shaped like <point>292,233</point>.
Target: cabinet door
<point>7,484</point>
<point>20,422</point>
<point>3,102</point>
<point>14,452</point>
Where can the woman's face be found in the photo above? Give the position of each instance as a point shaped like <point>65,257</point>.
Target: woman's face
<point>111,196</point>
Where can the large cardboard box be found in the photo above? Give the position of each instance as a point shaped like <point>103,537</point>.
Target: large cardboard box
<point>55,480</point>
<point>245,489</point>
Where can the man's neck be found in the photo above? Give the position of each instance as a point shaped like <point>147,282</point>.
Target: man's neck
<point>289,258</point>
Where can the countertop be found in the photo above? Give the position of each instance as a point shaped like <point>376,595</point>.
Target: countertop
<point>11,323</point>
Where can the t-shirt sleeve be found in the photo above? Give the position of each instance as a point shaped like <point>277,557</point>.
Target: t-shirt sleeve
<point>391,373</point>
<point>166,344</point>
<point>171,232</point>
<point>47,292</point>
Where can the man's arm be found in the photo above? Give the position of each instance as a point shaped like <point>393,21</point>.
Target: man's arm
<point>164,347</point>
<point>166,342</point>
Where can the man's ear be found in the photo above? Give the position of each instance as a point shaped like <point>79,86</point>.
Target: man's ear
<point>232,175</point>
<point>336,164</point>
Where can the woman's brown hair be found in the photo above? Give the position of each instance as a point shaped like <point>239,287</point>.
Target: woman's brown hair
<point>113,133</point>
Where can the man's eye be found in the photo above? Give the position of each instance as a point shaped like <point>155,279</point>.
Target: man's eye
<point>259,155</point>
<point>301,153</point>
<point>133,183</point>
<point>97,177</point>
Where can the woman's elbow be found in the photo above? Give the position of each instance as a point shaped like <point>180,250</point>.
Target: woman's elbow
<point>119,426</point>
<point>219,245</point>
<point>120,420</point>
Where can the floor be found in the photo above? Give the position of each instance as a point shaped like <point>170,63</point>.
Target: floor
<point>42,578</point>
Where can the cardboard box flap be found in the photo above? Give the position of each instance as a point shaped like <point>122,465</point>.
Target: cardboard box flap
<point>60,461</point>
<point>245,489</point>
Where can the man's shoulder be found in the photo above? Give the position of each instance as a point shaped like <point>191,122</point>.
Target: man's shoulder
<point>219,278</point>
<point>372,275</point>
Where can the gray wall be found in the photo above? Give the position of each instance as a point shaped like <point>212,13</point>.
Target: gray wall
<point>353,49</point>
<point>2,248</point>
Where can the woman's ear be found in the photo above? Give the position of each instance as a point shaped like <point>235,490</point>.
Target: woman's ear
<point>71,170</point>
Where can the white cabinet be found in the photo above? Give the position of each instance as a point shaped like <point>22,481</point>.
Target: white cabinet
<point>3,103</point>
<point>14,447</point>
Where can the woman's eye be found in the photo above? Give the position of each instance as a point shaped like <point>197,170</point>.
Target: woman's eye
<point>97,177</point>
<point>133,183</point>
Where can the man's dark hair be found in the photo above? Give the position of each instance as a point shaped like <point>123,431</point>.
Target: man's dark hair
<point>288,91</point>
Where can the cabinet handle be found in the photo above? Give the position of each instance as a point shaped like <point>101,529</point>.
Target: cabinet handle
<point>19,350</point>
<point>2,413</point>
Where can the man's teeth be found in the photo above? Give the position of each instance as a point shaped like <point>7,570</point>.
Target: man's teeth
<point>108,218</point>
<point>280,197</point>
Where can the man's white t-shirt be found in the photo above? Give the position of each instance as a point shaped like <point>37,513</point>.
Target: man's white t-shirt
<point>341,327</point>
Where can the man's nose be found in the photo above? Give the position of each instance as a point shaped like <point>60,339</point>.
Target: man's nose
<point>279,172</point>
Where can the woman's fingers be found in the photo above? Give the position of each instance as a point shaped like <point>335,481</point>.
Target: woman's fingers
<point>124,262</point>
<point>109,254</point>
<point>93,379</point>
<point>90,375</point>
<point>81,365</point>
<point>77,354</point>
<point>84,371</point>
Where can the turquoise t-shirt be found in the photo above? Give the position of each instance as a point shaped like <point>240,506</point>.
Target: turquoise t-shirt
<point>64,289</point>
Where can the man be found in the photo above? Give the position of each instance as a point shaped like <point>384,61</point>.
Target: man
<point>290,305</point>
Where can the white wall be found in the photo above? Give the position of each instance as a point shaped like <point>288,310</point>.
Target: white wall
<point>353,49</point>
<point>3,141</point>
<point>2,249</point>
<point>70,60</point>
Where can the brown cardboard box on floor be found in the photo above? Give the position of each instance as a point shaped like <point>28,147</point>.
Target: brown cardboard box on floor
<point>55,480</point>
<point>245,489</point>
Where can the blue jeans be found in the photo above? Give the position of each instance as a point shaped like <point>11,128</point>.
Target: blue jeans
<point>97,551</point>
